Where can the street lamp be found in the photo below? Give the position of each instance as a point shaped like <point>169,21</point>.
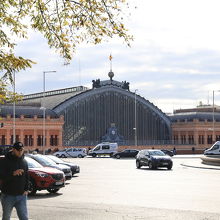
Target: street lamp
<point>44,110</point>
<point>135,116</point>
<point>14,135</point>
<point>213,113</point>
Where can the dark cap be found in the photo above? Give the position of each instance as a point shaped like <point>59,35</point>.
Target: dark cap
<point>18,145</point>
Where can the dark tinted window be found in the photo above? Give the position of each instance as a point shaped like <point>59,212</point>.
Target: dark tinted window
<point>105,147</point>
<point>157,153</point>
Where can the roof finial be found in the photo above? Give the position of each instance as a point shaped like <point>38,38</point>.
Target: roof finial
<point>110,74</point>
<point>110,58</point>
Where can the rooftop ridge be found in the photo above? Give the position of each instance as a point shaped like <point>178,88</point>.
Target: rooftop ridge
<point>55,92</point>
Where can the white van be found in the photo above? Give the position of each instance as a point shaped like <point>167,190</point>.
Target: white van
<point>214,149</point>
<point>104,148</point>
<point>71,152</point>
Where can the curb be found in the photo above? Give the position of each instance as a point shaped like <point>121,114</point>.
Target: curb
<point>200,167</point>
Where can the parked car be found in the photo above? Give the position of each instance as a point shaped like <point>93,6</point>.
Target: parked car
<point>153,159</point>
<point>168,152</point>
<point>104,148</point>
<point>126,153</point>
<point>47,162</point>
<point>44,178</point>
<point>74,168</point>
<point>71,152</point>
<point>214,149</point>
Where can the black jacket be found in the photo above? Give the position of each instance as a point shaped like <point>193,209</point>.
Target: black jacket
<point>13,185</point>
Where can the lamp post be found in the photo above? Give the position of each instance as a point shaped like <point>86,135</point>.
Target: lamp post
<point>135,116</point>
<point>44,110</point>
<point>14,134</point>
<point>213,113</point>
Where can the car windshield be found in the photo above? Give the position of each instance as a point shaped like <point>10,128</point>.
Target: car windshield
<point>45,161</point>
<point>32,163</point>
<point>157,153</point>
<point>54,158</point>
<point>215,147</point>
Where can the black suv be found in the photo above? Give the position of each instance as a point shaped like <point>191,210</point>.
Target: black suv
<point>153,159</point>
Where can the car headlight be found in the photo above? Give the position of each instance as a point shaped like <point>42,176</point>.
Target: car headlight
<point>44,175</point>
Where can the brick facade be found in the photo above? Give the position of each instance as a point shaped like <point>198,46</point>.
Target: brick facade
<point>30,132</point>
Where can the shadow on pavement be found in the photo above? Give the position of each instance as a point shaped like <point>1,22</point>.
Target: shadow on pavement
<point>154,170</point>
<point>44,196</point>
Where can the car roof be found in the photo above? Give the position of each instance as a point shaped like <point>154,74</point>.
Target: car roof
<point>151,150</point>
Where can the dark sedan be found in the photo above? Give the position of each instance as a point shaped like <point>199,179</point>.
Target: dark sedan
<point>74,168</point>
<point>126,153</point>
<point>153,159</point>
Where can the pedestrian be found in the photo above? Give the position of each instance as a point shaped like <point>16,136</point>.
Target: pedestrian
<point>89,148</point>
<point>14,176</point>
<point>174,151</point>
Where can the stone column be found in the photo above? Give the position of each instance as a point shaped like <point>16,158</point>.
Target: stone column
<point>179,137</point>
<point>47,139</point>
<point>22,135</point>
<point>35,139</point>
<point>8,137</point>
<point>196,138</point>
<point>205,138</point>
<point>60,138</point>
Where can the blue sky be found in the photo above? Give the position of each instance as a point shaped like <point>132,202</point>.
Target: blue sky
<point>173,60</point>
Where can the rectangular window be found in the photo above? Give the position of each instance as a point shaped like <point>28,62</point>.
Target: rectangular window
<point>175,139</point>
<point>28,140</point>
<point>105,147</point>
<point>217,137</point>
<point>53,140</point>
<point>191,139</point>
<point>209,139</point>
<point>201,139</point>
<point>3,140</point>
<point>25,140</point>
<point>16,139</point>
<point>39,140</point>
<point>183,139</point>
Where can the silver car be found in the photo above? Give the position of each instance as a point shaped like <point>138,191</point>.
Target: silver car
<point>71,152</point>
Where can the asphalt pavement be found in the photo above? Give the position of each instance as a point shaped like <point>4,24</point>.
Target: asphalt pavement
<point>98,193</point>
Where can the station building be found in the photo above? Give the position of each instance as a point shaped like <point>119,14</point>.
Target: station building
<point>79,116</point>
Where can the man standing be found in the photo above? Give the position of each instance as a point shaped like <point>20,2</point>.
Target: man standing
<point>14,175</point>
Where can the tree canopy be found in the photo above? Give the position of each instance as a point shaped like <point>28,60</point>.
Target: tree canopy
<point>64,23</point>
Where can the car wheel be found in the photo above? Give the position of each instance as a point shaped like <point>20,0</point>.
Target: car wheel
<point>93,155</point>
<point>151,166</point>
<point>138,164</point>
<point>111,155</point>
<point>63,156</point>
<point>80,156</point>
<point>118,156</point>
<point>31,188</point>
<point>53,190</point>
<point>170,167</point>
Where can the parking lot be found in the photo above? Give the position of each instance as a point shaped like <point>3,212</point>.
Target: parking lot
<point>108,188</point>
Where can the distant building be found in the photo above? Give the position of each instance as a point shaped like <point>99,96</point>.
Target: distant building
<point>29,127</point>
<point>196,127</point>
